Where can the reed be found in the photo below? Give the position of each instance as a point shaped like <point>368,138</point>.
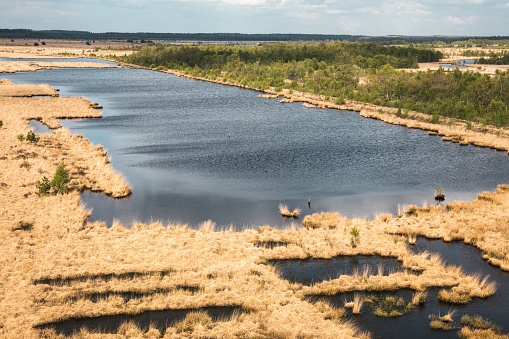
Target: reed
<point>358,301</point>
<point>285,212</point>
<point>419,297</point>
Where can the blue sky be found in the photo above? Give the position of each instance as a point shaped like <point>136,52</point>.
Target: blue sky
<point>363,17</point>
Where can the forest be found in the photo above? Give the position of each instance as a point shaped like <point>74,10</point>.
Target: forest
<point>363,72</point>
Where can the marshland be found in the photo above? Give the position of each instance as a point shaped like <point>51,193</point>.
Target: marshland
<point>202,168</point>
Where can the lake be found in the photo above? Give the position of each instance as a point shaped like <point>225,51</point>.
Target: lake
<point>194,151</point>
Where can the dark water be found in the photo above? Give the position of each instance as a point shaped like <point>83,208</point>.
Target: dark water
<point>416,323</point>
<point>310,271</point>
<point>170,137</point>
<point>157,319</point>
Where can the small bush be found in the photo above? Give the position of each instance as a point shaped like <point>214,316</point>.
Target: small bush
<point>25,164</point>
<point>354,232</point>
<point>1,123</point>
<point>340,100</point>
<point>61,179</point>
<point>43,185</point>
<point>32,138</point>
<point>20,137</point>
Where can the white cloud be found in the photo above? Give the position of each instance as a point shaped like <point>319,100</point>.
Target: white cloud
<point>461,21</point>
<point>245,2</point>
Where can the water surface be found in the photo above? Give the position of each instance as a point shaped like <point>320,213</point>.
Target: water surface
<point>194,151</point>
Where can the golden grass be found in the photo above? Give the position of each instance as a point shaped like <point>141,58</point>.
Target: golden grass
<point>467,333</point>
<point>419,297</point>
<point>8,89</point>
<point>285,212</point>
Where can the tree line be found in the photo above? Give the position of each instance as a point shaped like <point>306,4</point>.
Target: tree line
<point>137,36</point>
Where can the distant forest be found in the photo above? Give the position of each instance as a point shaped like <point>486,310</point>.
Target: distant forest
<point>234,37</point>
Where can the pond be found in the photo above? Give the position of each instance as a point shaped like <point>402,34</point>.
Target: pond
<point>194,151</point>
<point>311,271</point>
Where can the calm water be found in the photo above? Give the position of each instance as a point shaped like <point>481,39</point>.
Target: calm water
<point>170,137</point>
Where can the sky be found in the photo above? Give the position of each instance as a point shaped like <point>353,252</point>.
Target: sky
<point>361,17</point>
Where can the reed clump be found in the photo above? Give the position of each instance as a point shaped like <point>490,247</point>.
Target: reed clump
<point>453,297</point>
<point>444,322</point>
<point>285,212</point>
<point>478,322</point>
<point>390,306</point>
<point>419,297</point>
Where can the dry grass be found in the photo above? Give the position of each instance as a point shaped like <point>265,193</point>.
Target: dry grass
<point>419,297</point>
<point>8,89</point>
<point>467,333</point>
<point>285,212</point>
<point>30,66</point>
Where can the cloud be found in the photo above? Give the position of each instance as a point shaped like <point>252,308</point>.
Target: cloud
<point>461,21</point>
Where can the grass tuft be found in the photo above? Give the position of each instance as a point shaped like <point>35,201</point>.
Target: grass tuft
<point>207,226</point>
<point>285,212</point>
<point>419,297</point>
<point>453,297</point>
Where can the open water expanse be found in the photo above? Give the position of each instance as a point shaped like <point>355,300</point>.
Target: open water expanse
<point>194,151</point>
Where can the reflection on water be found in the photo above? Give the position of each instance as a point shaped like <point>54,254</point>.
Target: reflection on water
<point>195,151</point>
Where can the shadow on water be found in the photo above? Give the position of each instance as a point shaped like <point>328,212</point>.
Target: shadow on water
<point>309,271</point>
<point>158,319</point>
<point>416,323</point>
<point>101,277</point>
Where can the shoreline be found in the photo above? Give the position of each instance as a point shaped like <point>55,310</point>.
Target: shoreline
<point>449,129</point>
<point>227,267</point>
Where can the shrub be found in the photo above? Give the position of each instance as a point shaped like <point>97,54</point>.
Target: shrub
<point>1,123</point>
<point>61,179</point>
<point>25,164</point>
<point>340,100</point>
<point>20,137</point>
<point>354,232</point>
<point>43,186</point>
<point>32,138</point>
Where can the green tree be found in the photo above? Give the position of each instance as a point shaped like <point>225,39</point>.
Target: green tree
<point>61,179</point>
